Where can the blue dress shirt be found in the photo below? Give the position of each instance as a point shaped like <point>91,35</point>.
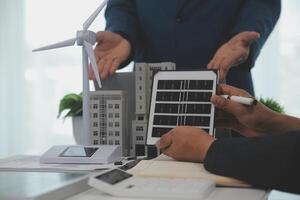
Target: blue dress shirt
<point>189,32</point>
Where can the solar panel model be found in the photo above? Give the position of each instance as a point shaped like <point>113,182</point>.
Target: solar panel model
<point>181,98</point>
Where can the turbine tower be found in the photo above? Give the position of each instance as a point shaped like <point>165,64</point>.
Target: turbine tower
<point>86,39</point>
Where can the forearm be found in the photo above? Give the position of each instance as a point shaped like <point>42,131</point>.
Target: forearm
<point>265,162</point>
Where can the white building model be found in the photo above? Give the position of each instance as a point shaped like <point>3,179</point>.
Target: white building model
<point>143,86</point>
<point>119,111</point>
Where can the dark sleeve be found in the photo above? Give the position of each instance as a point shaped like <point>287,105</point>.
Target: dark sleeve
<point>260,16</point>
<point>271,162</point>
<point>121,18</point>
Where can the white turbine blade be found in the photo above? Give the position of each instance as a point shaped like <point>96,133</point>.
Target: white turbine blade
<point>92,18</point>
<point>91,55</point>
<point>62,44</point>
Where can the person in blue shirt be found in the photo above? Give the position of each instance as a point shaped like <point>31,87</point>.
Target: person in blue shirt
<point>194,34</point>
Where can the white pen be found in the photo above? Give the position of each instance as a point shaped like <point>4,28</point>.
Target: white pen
<point>242,100</point>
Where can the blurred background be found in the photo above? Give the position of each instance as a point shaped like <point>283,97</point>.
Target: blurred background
<point>31,84</point>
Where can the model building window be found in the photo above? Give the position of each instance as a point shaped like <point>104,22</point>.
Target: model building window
<point>110,124</point>
<point>117,115</point>
<point>95,124</point>
<point>117,142</point>
<point>95,133</point>
<point>141,97</point>
<point>117,124</point>
<point>139,138</point>
<point>140,87</point>
<point>110,115</point>
<point>139,128</point>
<point>141,107</point>
<point>141,118</point>
<point>110,142</point>
<point>95,106</point>
<point>117,133</point>
<point>95,115</point>
<point>117,106</point>
<point>140,78</point>
<point>110,106</point>
<point>96,142</point>
<point>110,133</point>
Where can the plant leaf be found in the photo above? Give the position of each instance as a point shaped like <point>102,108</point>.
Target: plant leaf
<point>71,102</point>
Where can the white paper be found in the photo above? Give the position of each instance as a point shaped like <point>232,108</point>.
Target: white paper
<point>32,163</point>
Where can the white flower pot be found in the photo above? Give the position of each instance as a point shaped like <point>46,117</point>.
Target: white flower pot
<point>78,130</point>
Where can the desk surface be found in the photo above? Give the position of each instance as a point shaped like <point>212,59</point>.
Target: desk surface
<point>217,194</point>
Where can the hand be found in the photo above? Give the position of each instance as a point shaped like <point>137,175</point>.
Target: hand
<point>248,120</point>
<point>111,50</point>
<point>185,143</point>
<point>233,53</point>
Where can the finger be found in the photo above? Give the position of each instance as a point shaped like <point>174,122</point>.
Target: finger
<point>100,64</point>
<point>217,63</point>
<point>224,68</point>
<point>210,64</point>
<point>115,65</point>
<point>230,90</point>
<point>105,69</point>
<point>169,152</point>
<point>231,107</point>
<point>165,141</point>
<point>248,37</point>
<point>91,73</point>
<point>108,65</point>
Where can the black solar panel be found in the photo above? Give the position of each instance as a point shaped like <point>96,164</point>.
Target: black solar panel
<point>181,99</point>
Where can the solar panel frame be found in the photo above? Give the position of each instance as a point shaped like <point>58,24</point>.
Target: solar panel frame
<point>196,88</point>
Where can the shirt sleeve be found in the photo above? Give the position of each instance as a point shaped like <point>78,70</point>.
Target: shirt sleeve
<point>121,18</point>
<point>260,16</point>
<point>271,162</point>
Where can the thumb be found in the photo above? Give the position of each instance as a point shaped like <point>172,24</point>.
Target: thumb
<point>249,37</point>
<point>100,36</point>
<point>165,141</point>
<point>228,106</point>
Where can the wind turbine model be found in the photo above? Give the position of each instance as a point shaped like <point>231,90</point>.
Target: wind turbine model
<point>86,39</point>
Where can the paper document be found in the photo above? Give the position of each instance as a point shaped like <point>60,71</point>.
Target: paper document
<point>32,163</point>
<point>168,168</point>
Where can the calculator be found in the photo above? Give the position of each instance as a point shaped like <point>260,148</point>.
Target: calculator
<point>117,182</point>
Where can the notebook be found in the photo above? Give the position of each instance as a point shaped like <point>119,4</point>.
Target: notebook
<point>166,167</point>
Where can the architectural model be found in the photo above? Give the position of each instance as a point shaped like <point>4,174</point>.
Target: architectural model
<point>108,119</point>
<point>119,111</point>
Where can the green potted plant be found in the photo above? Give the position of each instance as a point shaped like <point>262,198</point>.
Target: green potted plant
<point>272,104</point>
<point>71,106</point>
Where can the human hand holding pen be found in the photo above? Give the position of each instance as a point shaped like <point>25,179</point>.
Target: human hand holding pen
<point>245,119</point>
